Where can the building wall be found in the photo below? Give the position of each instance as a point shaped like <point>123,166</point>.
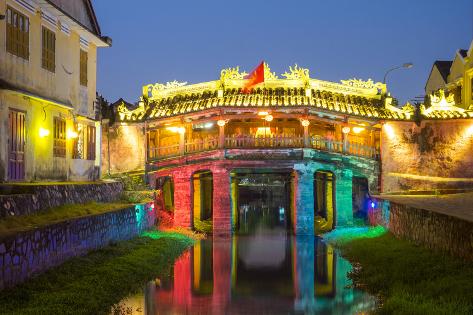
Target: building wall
<point>435,81</point>
<point>61,85</point>
<point>42,95</point>
<point>125,147</point>
<point>434,155</point>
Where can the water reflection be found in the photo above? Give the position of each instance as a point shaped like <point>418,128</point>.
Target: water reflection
<point>259,274</point>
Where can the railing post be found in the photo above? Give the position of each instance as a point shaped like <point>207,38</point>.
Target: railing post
<point>345,142</point>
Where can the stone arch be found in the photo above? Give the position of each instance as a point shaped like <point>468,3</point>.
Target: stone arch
<point>360,196</point>
<point>164,187</point>
<point>202,200</point>
<point>324,200</point>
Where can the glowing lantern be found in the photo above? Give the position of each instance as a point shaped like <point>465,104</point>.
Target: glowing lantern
<point>305,123</point>
<point>180,130</point>
<point>358,129</point>
<point>268,118</point>
<point>346,129</point>
<point>71,134</point>
<point>43,132</point>
<point>221,122</point>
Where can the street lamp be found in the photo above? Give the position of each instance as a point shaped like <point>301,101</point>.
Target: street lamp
<point>406,65</point>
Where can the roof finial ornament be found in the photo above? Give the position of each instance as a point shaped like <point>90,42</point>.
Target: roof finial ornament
<point>297,73</point>
<point>268,75</point>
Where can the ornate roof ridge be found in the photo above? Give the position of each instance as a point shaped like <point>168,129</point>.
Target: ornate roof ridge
<point>295,77</point>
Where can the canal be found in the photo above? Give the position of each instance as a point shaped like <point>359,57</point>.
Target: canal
<point>271,272</point>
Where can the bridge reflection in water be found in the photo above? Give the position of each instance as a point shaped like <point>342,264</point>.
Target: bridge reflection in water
<point>264,273</point>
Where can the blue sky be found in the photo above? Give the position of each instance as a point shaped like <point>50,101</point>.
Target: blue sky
<point>160,41</point>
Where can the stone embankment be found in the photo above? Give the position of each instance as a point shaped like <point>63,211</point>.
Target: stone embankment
<point>437,222</point>
<point>31,252</point>
<point>16,200</point>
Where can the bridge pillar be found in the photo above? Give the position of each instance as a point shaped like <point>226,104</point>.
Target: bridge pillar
<point>303,200</point>
<point>343,197</point>
<point>182,199</point>
<point>222,210</point>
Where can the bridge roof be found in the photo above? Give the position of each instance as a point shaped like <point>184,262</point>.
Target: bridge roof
<point>354,98</point>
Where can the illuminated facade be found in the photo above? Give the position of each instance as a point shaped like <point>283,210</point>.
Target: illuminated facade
<point>320,141</point>
<point>49,126</point>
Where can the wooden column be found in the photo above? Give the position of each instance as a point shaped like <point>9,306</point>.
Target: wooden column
<point>182,143</point>
<point>306,137</point>
<point>221,137</point>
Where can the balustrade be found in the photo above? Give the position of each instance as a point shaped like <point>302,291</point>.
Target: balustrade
<point>273,141</point>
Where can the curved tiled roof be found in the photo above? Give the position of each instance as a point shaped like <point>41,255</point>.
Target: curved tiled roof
<point>272,98</point>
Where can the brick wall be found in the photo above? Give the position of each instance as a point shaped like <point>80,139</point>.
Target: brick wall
<point>434,155</point>
<point>124,146</point>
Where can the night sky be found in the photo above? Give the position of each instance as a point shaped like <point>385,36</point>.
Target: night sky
<point>160,41</point>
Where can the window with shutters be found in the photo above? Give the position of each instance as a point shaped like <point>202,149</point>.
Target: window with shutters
<point>83,68</point>
<point>49,50</point>
<point>59,147</point>
<point>17,36</point>
<point>90,143</point>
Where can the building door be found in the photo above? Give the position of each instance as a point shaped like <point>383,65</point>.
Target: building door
<point>16,145</point>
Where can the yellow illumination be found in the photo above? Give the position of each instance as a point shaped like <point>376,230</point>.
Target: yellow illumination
<point>305,123</point>
<point>43,132</point>
<point>221,122</point>
<point>358,129</point>
<point>268,118</point>
<point>180,130</point>
<point>263,113</point>
<point>469,131</point>
<point>389,131</point>
<point>263,132</point>
<point>346,129</point>
<point>71,134</point>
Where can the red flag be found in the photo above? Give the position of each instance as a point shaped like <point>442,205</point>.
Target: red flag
<point>255,77</point>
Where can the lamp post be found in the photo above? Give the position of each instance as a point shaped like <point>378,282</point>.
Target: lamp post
<point>406,65</point>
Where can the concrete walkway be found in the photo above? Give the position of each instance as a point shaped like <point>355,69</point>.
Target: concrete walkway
<point>456,205</point>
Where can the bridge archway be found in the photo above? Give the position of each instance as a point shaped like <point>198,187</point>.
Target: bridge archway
<point>360,197</point>
<point>261,200</point>
<point>165,200</point>
<point>202,200</point>
<point>324,201</point>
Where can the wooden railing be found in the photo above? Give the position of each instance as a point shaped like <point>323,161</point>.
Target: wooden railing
<point>199,145</point>
<point>268,142</point>
<point>278,141</point>
<point>163,152</point>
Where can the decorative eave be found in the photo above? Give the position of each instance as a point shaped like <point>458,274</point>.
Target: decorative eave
<point>444,107</point>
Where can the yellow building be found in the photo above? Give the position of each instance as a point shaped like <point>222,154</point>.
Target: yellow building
<point>454,77</point>
<point>48,60</point>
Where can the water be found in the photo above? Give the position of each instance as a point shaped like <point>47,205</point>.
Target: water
<point>270,273</point>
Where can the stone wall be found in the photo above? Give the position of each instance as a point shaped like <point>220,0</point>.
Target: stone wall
<point>124,147</point>
<point>18,200</point>
<point>28,253</point>
<point>427,228</point>
<point>434,155</point>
